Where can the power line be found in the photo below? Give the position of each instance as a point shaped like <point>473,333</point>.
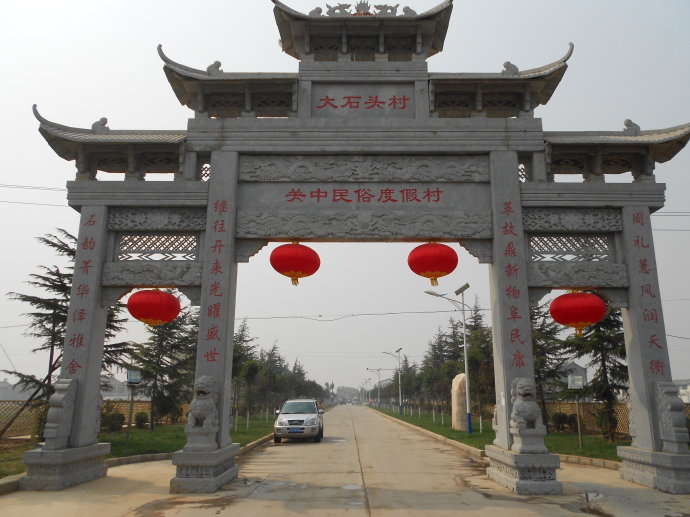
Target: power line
<point>8,357</point>
<point>33,187</point>
<point>27,203</point>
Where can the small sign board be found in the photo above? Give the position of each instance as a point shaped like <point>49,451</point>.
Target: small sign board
<point>576,382</point>
<point>133,377</point>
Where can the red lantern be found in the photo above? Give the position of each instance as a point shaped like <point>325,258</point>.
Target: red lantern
<point>433,260</point>
<point>153,307</point>
<point>578,310</point>
<point>295,261</point>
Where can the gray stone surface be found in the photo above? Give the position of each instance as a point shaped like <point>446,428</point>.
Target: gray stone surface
<point>525,474</point>
<point>62,468</point>
<point>204,471</point>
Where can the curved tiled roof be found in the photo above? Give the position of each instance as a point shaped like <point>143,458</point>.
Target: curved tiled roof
<point>664,143</point>
<point>301,16</point>
<point>66,140</point>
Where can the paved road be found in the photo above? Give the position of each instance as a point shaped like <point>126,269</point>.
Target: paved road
<point>367,465</point>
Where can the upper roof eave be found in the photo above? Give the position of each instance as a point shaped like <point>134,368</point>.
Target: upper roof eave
<point>664,143</point>
<point>67,140</point>
<point>284,15</point>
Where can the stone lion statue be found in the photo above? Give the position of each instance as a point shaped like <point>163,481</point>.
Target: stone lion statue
<point>202,410</point>
<point>526,413</point>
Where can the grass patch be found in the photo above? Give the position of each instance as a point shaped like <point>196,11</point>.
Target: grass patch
<point>558,443</point>
<point>164,438</point>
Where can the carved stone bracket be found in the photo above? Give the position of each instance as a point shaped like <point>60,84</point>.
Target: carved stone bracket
<point>672,421</point>
<point>59,420</point>
<point>480,248</point>
<point>247,248</point>
<point>167,219</point>
<point>159,273</point>
<point>363,225</point>
<point>617,298</point>
<point>572,220</point>
<point>365,168</point>
<point>576,274</point>
<point>536,294</point>
<point>111,295</point>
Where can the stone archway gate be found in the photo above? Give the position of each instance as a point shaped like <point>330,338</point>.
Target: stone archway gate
<point>364,144</point>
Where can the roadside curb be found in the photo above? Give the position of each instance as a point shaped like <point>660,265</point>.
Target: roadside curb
<point>11,483</point>
<point>480,455</point>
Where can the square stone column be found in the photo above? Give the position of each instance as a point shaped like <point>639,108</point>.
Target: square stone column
<point>207,460</point>
<point>71,454</point>
<point>658,456</point>
<point>518,458</point>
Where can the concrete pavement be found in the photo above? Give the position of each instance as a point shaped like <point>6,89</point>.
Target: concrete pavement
<point>367,465</point>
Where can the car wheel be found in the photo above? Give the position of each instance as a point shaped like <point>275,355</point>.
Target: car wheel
<point>276,439</point>
<point>318,437</point>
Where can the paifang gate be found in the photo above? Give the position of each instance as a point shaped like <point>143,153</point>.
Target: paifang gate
<point>364,144</point>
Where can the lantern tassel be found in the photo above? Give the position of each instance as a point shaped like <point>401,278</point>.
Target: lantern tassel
<point>578,332</point>
<point>434,282</point>
<point>295,281</point>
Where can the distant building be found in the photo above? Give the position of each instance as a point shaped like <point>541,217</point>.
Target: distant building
<point>9,391</point>
<point>113,389</point>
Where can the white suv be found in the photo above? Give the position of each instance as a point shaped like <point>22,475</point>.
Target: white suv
<point>299,418</point>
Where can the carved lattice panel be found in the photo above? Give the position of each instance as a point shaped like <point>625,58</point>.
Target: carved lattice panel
<point>571,248</point>
<point>149,246</point>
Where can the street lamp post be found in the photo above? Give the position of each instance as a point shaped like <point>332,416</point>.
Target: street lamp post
<point>399,377</point>
<point>461,305</point>
<point>378,385</point>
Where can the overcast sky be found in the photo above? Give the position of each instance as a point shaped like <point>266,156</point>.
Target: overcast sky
<point>82,60</point>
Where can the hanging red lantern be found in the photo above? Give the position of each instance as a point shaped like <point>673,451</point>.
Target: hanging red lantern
<point>578,310</point>
<point>295,261</point>
<point>433,260</point>
<point>153,307</point>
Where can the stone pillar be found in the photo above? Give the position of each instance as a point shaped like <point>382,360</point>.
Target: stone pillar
<point>207,460</point>
<point>518,458</point>
<point>71,454</point>
<point>458,403</point>
<point>658,456</point>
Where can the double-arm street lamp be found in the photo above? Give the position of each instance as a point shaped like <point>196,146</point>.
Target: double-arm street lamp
<point>393,354</point>
<point>460,304</point>
<point>378,385</point>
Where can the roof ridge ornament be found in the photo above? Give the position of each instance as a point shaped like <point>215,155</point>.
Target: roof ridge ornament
<point>510,69</point>
<point>214,68</point>
<point>362,9</point>
<point>630,128</point>
<point>100,126</point>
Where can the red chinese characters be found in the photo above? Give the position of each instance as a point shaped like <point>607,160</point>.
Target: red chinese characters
<point>365,103</point>
<point>365,195</point>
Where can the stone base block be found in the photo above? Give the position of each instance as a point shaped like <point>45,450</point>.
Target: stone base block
<point>529,441</point>
<point>524,474</point>
<point>204,471</point>
<point>664,471</point>
<point>62,468</point>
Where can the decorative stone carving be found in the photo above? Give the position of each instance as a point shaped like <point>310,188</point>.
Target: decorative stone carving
<point>387,10</point>
<point>168,219</point>
<point>524,473</point>
<point>408,11</point>
<point>630,128</point>
<point>247,248</point>
<point>152,273</point>
<point>481,249</point>
<point>338,10</point>
<point>316,12</point>
<point>615,297</point>
<point>362,225</point>
<point>59,420</point>
<point>572,220</point>
<point>672,420</point>
<point>100,126</point>
<point>510,69</point>
<point>364,168</point>
<point>202,419</point>
<point>576,274</point>
<point>526,413</point>
<point>214,68</point>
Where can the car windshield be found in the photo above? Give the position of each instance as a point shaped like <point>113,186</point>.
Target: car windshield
<point>298,407</point>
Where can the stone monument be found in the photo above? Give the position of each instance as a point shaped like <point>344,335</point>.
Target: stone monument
<point>363,143</point>
<point>458,403</point>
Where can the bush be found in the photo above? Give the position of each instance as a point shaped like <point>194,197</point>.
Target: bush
<point>111,420</point>
<point>559,421</point>
<point>141,419</point>
<point>572,422</point>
